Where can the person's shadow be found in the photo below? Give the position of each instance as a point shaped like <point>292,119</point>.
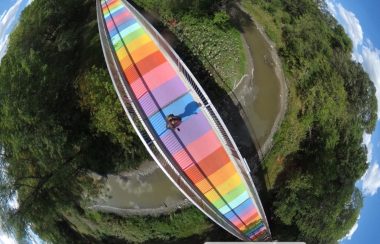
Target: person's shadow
<point>190,109</point>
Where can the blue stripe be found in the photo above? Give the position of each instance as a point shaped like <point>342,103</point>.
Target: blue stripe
<point>244,207</point>
<point>230,215</point>
<point>127,30</point>
<point>158,120</point>
<point>115,12</point>
<point>234,203</point>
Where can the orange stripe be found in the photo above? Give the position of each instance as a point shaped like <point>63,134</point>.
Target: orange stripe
<point>113,4</point>
<point>144,51</point>
<point>144,66</point>
<point>214,161</point>
<point>194,174</point>
<point>204,186</point>
<point>220,176</point>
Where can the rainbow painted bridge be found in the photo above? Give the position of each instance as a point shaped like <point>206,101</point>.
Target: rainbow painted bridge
<point>200,158</point>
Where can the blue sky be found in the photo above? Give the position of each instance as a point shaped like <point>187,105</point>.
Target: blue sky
<point>9,12</point>
<point>361,22</point>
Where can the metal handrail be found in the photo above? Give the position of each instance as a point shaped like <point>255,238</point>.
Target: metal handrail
<point>210,109</point>
<point>169,170</point>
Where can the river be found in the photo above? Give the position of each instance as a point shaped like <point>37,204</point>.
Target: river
<point>146,188</point>
<point>262,93</point>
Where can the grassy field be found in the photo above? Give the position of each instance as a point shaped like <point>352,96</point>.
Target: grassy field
<point>209,37</point>
<point>219,49</point>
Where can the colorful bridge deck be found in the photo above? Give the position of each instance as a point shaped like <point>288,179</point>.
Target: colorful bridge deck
<point>158,89</point>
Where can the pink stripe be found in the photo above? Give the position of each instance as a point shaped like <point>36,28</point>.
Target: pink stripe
<point>236,221</point>
<point>125,16</point>
<point>153,79</point>
<point>248,214</point>
<point>198,149</point>
<point>110,25</point>
<point>183,159</point>
<point>204,146</point>
<point>118,19</point>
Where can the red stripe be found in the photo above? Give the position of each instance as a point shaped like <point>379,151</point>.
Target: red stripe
<point>144,66</point>
<point>214,161</point>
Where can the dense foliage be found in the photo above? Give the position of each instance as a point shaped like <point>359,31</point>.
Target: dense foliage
<point>318,148</point>
<point>204,28</point>
<point>60,119</point>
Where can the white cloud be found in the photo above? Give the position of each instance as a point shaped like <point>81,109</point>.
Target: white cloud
<point>3,46</point>
<point>352,231</point>
<point>5,239</point>
<point>331,7</point>
<point>367,142</point>
<point>29,2</point>
<point>8,18</point>
<point>351,24</point>
<point>371,180</point>
<point>6,21</point>
<point>371,64</point>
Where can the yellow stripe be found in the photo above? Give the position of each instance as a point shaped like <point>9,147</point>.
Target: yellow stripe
<point>203,186</point>
<point>143,52</point>
<point>229,184</point>
<point>132,46</point>
<point>212,196</point>
<point>125,63</point>
<point>220,176</point>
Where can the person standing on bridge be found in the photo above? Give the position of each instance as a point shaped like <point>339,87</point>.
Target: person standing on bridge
<point>173,121</point>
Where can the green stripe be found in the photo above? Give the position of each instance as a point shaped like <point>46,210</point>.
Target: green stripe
<point>129,38</point>
<point>113,10</point>
<point>253,226</point>
<point>229,196</point>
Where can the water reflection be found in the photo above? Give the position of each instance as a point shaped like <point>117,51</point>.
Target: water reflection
<point>138,191</point>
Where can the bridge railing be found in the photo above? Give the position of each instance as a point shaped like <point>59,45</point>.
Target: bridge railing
<point>210,110</point>
<point>139,124</point>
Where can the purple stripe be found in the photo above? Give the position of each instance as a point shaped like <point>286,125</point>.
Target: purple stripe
<point>257,232</point>
<point>164,94</point>
<point>147,103</point>
<point>171,142</point>
<point>190,130</point>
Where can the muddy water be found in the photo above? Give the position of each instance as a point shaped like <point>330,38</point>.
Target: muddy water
<point>139,191</point>
<point>260,95</point>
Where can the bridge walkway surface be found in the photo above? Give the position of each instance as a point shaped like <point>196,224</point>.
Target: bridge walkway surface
<point>200,158</point>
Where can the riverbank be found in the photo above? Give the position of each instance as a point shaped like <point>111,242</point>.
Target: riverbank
<point>154,212</point>
<point>282,82</point>
<point>263,91</point>
<point>144,191</point>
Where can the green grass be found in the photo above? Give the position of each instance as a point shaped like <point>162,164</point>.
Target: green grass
<point>135,229</point>
<point>292,130</point>
<point>268,21</point>
<point>219,49</point>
